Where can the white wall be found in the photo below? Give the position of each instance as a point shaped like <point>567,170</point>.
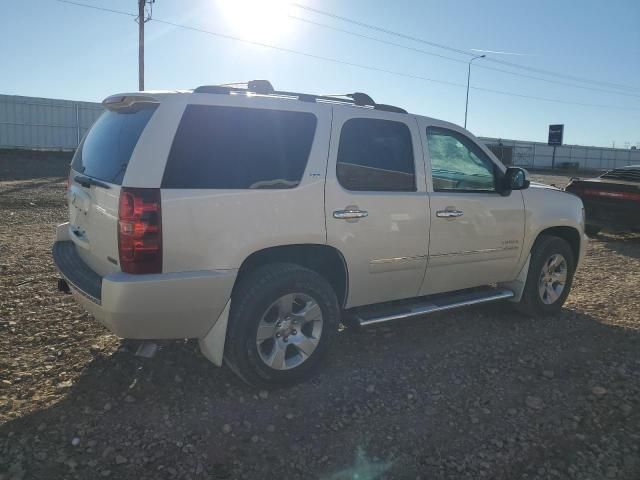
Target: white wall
<point>44,123</point>
<point>540,155</point>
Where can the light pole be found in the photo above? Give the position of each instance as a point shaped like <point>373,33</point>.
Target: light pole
<point>466,106</point>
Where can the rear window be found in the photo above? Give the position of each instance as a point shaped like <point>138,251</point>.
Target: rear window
<point>239,148</point>
<point>631,174</point>
<point>105,151</point>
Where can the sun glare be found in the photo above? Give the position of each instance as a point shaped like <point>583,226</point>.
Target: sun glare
<point>258,20</point>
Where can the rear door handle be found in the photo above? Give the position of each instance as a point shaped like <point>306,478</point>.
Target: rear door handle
<point>449,213</point>
<point>350,213</point>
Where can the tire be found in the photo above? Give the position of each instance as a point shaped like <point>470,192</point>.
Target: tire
<point>304,331</point>
<point>592,230</point>
<point>534,301</point>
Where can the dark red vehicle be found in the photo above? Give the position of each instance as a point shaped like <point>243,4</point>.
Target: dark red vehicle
<point>611,200</point>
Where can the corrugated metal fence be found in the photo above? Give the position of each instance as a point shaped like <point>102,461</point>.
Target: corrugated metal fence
<point>540,155</point>
<point>49,124</point>
<point>44,123</point>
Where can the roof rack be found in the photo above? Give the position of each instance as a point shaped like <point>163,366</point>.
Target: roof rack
<point>264,87</point>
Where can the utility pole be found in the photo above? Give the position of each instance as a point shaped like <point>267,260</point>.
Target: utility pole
<point>466,106</point>
<point>144,15</point>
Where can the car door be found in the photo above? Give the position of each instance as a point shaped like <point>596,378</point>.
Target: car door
<point>377,209</point>
<point>476,233</point>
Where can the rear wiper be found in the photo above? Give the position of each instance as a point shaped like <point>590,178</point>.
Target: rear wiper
<point>88,181</point>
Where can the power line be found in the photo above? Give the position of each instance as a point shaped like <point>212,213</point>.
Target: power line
<point>457,50</point>
<point>457,60</point>
<point>342,62</point>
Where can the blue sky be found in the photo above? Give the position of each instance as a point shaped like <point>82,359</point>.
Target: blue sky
<point>51,49</point>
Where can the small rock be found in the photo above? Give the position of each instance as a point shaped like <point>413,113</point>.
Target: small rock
<point>120,459</point>
<point>599,391</point>
<point>75,441</point>
<point>263,394</point>
<point>105,473</point>
<point>177,379</point>
<point>226,428</point>
<point>371,388</point>
<point>289,416</point>
<point>107,407</point>
<point>271,428</point>
<point>129,399</point>
<point>548,374</point>
<point>255,439</point>
<point>534,402</point>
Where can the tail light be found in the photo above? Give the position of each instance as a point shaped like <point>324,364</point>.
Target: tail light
<point>140,230</point>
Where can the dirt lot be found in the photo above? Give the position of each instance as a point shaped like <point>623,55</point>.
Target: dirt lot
<point>479,393</point>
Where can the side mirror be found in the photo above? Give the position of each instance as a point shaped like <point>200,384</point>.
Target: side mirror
<point>515,178</point>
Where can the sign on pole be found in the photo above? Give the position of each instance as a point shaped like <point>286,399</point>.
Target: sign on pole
<point>555,134</point>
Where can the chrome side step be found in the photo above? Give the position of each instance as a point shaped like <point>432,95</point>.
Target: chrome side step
<point>425,305</point>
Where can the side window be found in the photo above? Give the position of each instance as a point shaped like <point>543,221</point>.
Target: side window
<point>457,163</point>
<point>239,148</point>
<point>375,155</point>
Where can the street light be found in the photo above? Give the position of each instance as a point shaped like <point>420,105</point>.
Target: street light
<point>466,106</point>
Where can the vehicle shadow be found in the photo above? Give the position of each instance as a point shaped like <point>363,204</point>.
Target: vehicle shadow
<point>627,244</point>
<point>411,386</point>
<point>30,184</point>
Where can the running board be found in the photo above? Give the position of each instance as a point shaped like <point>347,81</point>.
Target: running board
<point>422,306</point>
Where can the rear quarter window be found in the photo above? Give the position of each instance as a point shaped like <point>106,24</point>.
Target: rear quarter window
<point>105,151</point>
<point>219,147</point>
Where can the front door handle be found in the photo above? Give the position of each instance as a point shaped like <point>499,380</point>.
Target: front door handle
<point>348,213</point>
<point>449,213</point>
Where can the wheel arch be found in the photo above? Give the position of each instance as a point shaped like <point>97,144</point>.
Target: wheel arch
<point>569,234</point>
<point>323,259</point>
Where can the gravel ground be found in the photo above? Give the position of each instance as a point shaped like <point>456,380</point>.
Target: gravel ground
<point>476,393</point>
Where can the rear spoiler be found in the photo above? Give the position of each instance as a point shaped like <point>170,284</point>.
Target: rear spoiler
<point>127,101</point>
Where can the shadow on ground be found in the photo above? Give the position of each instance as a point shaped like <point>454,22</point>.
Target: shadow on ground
<point>472,393</point>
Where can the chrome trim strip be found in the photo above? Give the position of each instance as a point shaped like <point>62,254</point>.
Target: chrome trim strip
<point>396,259</point>
<point>472,252</point>
<point>384,265</point>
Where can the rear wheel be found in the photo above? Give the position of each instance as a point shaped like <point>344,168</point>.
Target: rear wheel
<point>549,278</point>
<point>282,320</point>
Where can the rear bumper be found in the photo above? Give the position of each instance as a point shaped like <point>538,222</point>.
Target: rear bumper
<point>162,306</point>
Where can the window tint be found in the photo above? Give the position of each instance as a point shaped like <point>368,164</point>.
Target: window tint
<point>375,155</point>
<point>105,151</point>
<point>457,163</point>
<point>239,148</point>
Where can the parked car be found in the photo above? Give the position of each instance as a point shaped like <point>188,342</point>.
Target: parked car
<point>254,220</point>
<point>611,200</point>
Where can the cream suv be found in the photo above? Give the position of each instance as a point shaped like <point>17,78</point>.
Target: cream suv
<point>255,220</point>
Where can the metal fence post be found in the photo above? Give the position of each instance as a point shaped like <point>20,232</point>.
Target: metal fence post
<point>533,160</point>
<point>77,125</point>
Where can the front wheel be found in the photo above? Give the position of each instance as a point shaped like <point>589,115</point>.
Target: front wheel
<point>549,278</point>
<point>283,318</point>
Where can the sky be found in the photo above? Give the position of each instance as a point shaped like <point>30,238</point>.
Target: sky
<point>57,50</point>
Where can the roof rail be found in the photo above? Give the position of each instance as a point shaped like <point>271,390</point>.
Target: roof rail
<point>264,87</point>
